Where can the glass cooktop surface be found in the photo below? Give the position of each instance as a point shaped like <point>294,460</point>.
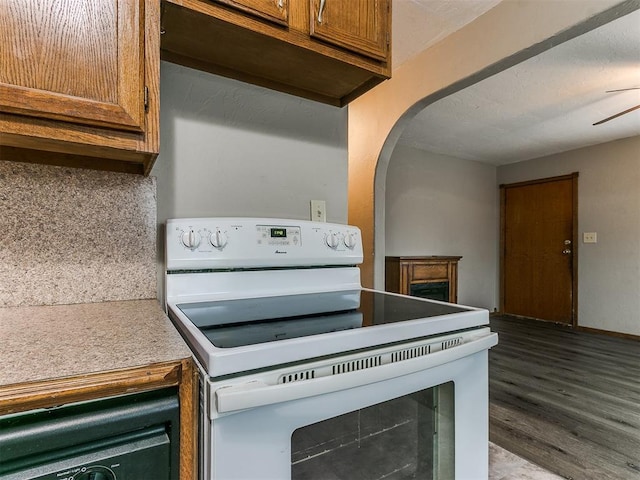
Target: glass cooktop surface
<point>242,322</point>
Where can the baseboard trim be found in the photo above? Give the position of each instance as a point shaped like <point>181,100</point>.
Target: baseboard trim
<point>577,328</point>
<point>609,333</point>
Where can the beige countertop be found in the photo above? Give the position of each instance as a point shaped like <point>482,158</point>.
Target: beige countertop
<point>50,342</point>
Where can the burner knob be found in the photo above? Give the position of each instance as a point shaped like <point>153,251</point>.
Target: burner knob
<point>218,239</point>
<point>96,473</point>
<point>332,240</point>
<point>350,240</point>
<point>191,239</point>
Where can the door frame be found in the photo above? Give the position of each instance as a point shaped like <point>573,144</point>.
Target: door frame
<point>574,240</point>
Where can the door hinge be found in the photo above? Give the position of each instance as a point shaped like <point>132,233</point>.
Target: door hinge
<point>146,98</point>
<point>387,27</point>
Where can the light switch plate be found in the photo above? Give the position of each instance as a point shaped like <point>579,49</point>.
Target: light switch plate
<point>318,211</point>
<point>589,237</point>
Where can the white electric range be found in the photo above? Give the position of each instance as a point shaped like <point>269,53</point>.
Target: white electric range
<point>291,349</point>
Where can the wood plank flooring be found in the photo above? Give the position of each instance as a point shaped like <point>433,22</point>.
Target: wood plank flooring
<point>568,401</point>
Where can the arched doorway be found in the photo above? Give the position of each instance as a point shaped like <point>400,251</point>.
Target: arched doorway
<point>519,30</point>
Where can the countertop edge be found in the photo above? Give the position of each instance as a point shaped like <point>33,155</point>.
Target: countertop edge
<point>49,344</point>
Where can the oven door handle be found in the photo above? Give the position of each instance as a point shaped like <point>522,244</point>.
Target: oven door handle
<point>255,394</point>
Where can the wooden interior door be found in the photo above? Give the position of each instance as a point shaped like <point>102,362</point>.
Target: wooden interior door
<point>538,249</point>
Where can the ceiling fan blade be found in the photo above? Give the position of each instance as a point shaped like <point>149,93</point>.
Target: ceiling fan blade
<point>617,115</point>
<point>622,89</point>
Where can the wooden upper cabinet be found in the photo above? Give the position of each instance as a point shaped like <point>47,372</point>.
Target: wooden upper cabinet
<point>79,83</point>
<point>72,61</point>
<point>361,26</point>
<point>274,10</point>
<point>332,61</point>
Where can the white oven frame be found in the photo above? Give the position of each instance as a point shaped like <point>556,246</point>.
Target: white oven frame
<point>255,442</point>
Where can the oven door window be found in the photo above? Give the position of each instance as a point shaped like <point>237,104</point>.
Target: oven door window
<point>407,437</point>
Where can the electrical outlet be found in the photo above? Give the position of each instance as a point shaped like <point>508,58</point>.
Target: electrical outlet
<point>318,211</point>
<point>589,237</point>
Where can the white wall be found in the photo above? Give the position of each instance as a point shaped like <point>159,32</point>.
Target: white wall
<point>439,205</point>
<point>233,149</point>
<point>608,204</point>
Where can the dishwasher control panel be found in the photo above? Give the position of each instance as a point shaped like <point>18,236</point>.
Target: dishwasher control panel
<point>92,472</point>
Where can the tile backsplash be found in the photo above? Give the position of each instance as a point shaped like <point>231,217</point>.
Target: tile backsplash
<point>75,236</point>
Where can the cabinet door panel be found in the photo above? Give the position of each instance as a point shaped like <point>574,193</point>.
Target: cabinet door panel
<point>64,60</point>
<point>274,10</point>
<point>358,25</point>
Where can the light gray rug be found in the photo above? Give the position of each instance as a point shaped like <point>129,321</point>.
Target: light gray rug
<point>504,465</point>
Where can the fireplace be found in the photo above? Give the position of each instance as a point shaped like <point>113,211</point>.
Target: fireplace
<point>433,277</point>
<point>431,290</point>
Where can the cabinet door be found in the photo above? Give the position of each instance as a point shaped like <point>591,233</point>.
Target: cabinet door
<point>274,10</point>
<point>358,25</point>
<point>75,61</point>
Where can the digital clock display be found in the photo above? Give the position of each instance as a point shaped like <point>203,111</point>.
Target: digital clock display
<point>278,233</point>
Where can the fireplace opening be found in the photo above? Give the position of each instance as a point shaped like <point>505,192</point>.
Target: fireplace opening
<point>430,290</point>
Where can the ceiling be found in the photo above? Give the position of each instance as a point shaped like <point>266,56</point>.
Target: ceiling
<point>542,106</point>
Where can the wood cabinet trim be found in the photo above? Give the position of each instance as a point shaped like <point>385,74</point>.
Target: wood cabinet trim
<point>269,10</point>
<point>57,106</point>
<point>189,404</point>
<point>32,395</point>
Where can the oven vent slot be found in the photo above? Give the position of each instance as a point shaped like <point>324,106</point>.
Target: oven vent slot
<point>410,353</point>
<point>454,342</point>
<point>355,365</point>
<point>370,362</point>
<point>298,376</point>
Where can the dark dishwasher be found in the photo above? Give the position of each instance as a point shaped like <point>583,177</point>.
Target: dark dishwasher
<point>132,437</point>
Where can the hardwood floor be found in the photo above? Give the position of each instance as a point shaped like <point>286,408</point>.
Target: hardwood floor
<point>567,401</point>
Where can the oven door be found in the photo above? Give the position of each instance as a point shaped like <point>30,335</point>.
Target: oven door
<point>425,415</point>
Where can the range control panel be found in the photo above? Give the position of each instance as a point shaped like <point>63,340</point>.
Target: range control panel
<point>218,243</point>
<point>282,236</point>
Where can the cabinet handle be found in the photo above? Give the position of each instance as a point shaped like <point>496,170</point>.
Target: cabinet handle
<point>281,4</point>
<point>320,10</point>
